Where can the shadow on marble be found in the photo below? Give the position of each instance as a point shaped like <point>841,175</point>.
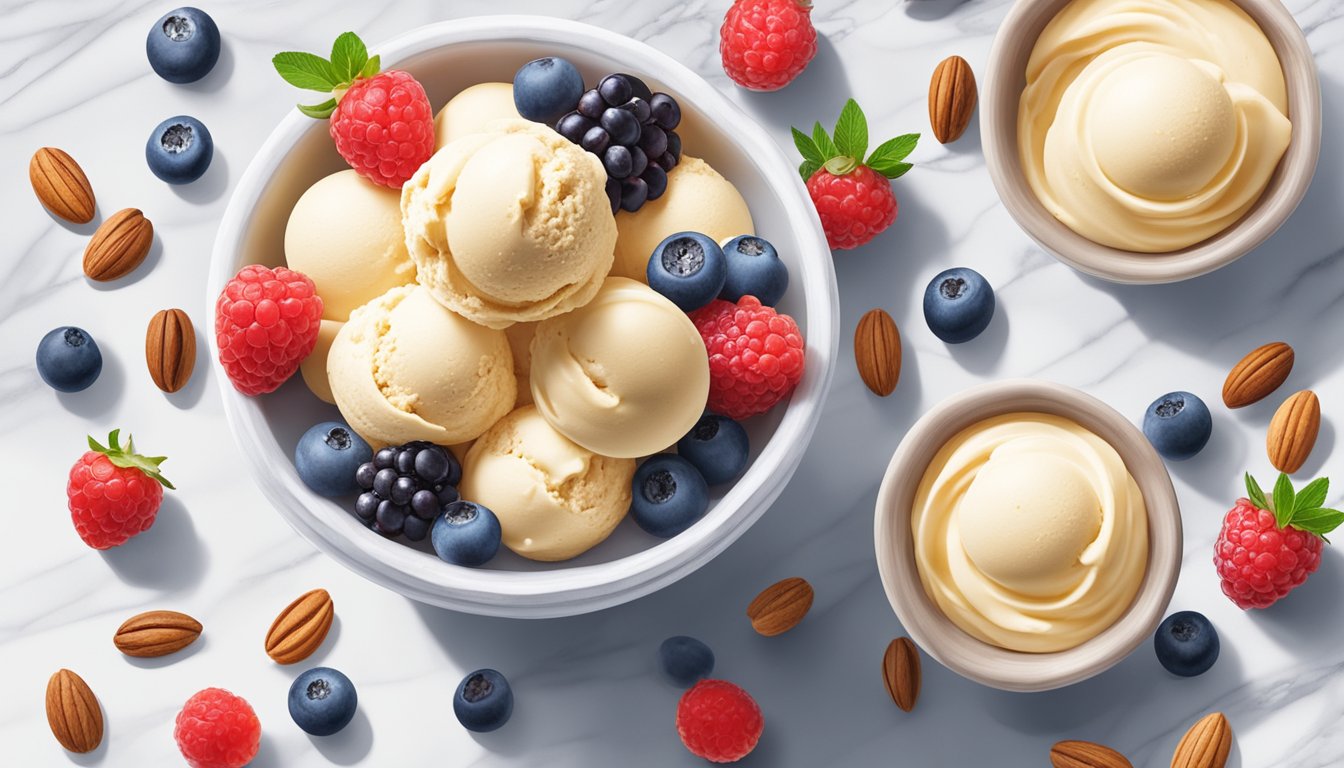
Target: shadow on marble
<point>969,143</point>
<point>349,746</point>
<point>87,228</point>
<point>931,10</point>
<point>1310,620</point>
<point>152,260</point>
<point>1325,448</point>
<point>159,662</point>
<point>984,354</point>
<point>267,754</point>
<point>818,93</point>
<point>1207,472</point>
<point>883,272</point>
<point>99,400</point>
<point>219,75</point>
<point>209,187</point>
<point>168,557</point>
<point>188,396</point>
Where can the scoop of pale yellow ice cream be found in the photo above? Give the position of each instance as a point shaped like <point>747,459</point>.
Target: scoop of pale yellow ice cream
<point>627,375</point>
<point>471,110</point>
<point>554,499</point>
<point>314,366</point>
<point>510,225</point>
<point>520,343</point>
<point>698,199</point>
<point>345,233</point>
<point>406,368</point>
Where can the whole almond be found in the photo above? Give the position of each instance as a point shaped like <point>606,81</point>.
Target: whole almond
<point>156,633</point>
<point>118,246</point>
<point>170,349</point>
<point>1085,754</point>
<point>299,629</point>
<point>61,186</point>
<point>1258,374</point>
<point>901,672</point>
<point>73,713</point>
<point>780,606</point>
<point>877,351</point>
<point>1205,745</point>
<point>952,98</point>
<point>1293,430</point>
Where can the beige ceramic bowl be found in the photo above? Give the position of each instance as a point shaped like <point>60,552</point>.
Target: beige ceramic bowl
<point>998,115</point>
<point>943,640</point>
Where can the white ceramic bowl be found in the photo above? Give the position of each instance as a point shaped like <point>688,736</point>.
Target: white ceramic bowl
<point>446,58</point>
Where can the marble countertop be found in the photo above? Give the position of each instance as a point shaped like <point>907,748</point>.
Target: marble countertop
<point>587,689</point>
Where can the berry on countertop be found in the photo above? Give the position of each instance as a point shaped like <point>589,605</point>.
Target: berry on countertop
<point>852,195</point>
<point>266,323</point>
<point>1178,424</point>
<point>718,721</point>
<point>483,701</point>
<point>466,534</point>
<point>755,355</point>
<point>754,269</point>
<point>382,123</point>
<point>546,88</point>
<point>217,729</point>
<point>685,660</point>
<point>68,359</point>
<point>183,45</point>
<point>765,44</point>
<point>958,305</point>
<point>688,268</point>
<point>669,495</point>
<point>179,150</point>
<point>328,456</point>
<point>405,487</point>
<point>114,493</point>
<point>322,701</point>
<point>1268,546</point>
<point>1186,644</point>
<point>717,446</point>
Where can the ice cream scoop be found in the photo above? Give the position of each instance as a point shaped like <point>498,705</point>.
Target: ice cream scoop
<point>520,343</point>
<point>314,366</point>
<point>471,110</point>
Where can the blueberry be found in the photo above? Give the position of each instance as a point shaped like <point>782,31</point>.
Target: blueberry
<point>613,190</point>
<point>653,141</point>
<point>322,701</point>
<point>666,111</point>
<point>615,89</point>
<point>958,305</point>
<point>754,269</point>
<point>466,534</point>
<point>546,88</point>
<point>685,660</point>
<point>1178,424</point>
<point>183,45</point>
<point>596,140</point>
<point>618,161</point>
<point>639,108</point>
<point>622,126</point>
<point>366,506</point>
<point>1186,644</point>
<point>669,495</point>
<point>391,518</point>
<point>656,179</point>
<point>591,104</point>
<point>328,457</point>
<point>574,126</point>
<point>688,268</point>
<point>68,359</point>
<point>717,446</point>
<point>179,150</point>
<point>415,528</point>
<point>483,701</point>
<point>634,193</point>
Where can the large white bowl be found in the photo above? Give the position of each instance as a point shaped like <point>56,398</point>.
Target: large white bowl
<point>447,57</point>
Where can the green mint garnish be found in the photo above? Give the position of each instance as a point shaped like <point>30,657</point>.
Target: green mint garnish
<point>349,62</point>
<point>1302,510</point>
<point>845,152</point>
<point>127,458</point>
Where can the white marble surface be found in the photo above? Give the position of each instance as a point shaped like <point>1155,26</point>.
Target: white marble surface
<point>73,75</point>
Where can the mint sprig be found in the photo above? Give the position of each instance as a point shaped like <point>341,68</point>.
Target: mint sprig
<point>349,62</point>
<point>127,458</point>
<point>1302,509</point>
<point>845,152</point>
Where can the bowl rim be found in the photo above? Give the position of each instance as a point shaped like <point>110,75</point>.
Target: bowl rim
<point>927,625</point>
<point>1293,175</point>
<point>577,589</point>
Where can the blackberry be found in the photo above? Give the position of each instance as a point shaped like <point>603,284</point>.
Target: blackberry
<point>405,487</point>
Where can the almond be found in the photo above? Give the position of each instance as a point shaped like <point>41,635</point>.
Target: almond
<point>1205,745</point>
<point>170,349</point>
<point>1085,754</point>
<point>61,185</point>
<point>118,246</point>
<point>156,633</point>
<point>877,351</point>
<point>73,713</point>
<point>901,672</point>
<point>780,606</point>
<point>1257,374</point>
<point>951,99</point>
<point>1293,430</point>
<point>300,628</point>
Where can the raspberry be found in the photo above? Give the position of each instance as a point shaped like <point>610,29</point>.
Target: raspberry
<point>854,208</point>
<point>114,494</point>
<point>718,721</point>
<point>755,355</point>
<point>384,128</point>
<point>266,322</point>
<point>765,44</point>
<point>216,729</point>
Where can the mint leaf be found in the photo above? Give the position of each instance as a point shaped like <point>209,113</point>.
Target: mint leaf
<point>851,131</point>
<point>1255,493</point>
<point>320,111</point>
<point>348,56</point>
<point>806,147</point>
<point>373,67</point>
<point>305,70</point>
<point>891,152</point>
<point>1314,494</point>
<point>1284,499</point>
<point>892,170</point>
<point>823,141</point>
<point>808,168</point>
<point>1318,520</point>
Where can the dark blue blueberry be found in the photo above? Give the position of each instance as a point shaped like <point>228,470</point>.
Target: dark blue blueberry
<point>613,190</point>
<point>653,141</point>
<point>183,45</point>
<point>1178,424</point>
<point>618,161</point>
<point>68,359</point>
<point>634,193</point>
<point>639,108</point>
<point>385,458</point>
<point>546,88</point>
<point>685,660</point>
<point>415,528</point>
<point>591,104</point>
<point>382,482</point>
<point>574,126</point>
<point>958,305</point>
<point>669,495</point>
<point>717,446</point>
<point>328,457</point>
<point>754,269</point>
<point>466,534</point>
<point>364,475</point>
<point>638,161</point>
<point>688,268</point>
<point>366,506</point>
<point>179,150</point>
<point>616,89</point>
<point>622,126</point>
<point>391,518</point>
<point>403,488</point>
<point>656,179</point>
<point>666,111</point>
<point>1186,644</point>
<point>483,701</point>
<point>322,701</point>
<point>596,140</point>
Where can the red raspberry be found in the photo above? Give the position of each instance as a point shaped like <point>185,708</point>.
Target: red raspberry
<point>854,208</point>
<point>755,355</point>
<point>113,493</point>
<point>718,721</point>
<point>384,128</point>
<point>765,44</point>
<point>266,322</point>
<point>216,729</point>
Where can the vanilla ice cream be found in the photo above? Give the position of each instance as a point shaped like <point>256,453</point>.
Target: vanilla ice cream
<point>345,234</point>
<point>314,366</point>
<point>554,499</point>
<point>520,343</point>
<point>471,110</point>
<point>406,368</point>
<point>698,199</point>
<point>627,375</point>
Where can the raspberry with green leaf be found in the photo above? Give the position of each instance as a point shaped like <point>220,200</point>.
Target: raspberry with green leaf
<point>113,492</point>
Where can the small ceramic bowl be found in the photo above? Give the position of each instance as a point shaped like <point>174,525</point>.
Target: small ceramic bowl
<point>1002,89</point>
<point>925,622</point>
